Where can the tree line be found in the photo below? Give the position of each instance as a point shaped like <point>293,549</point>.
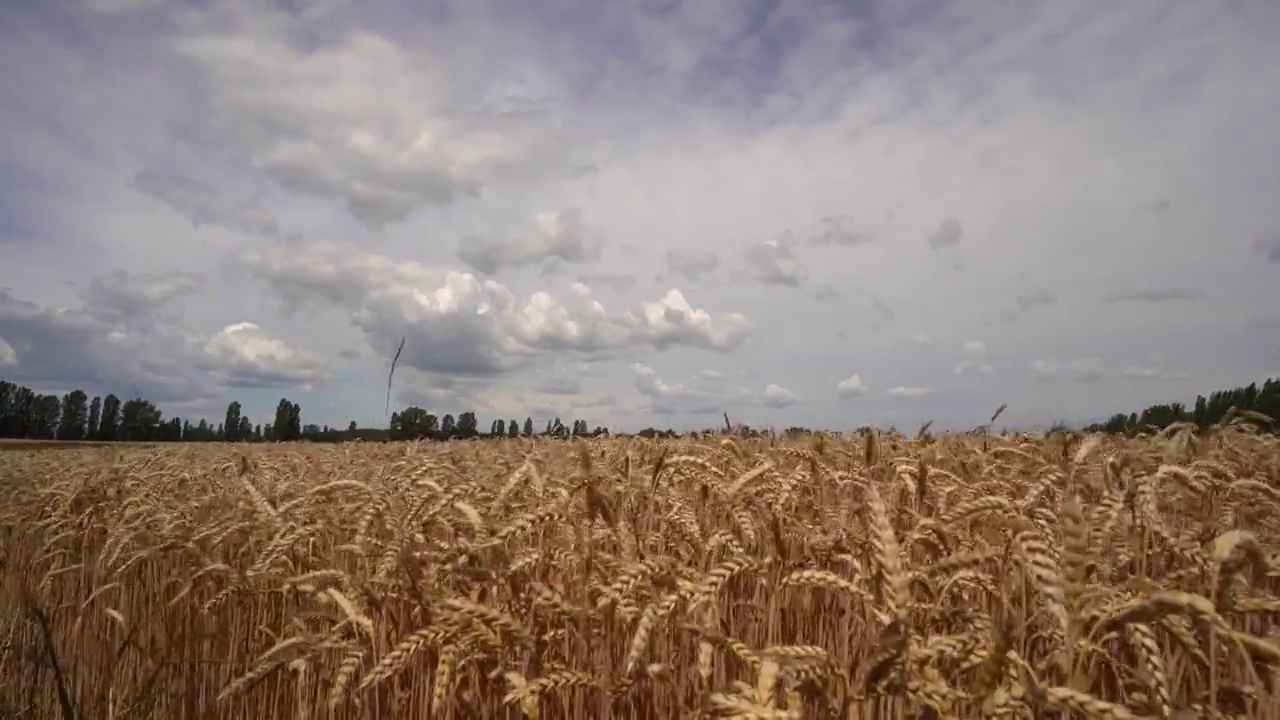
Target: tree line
<point>29,415</point>
<point>1204,412</point>
<point>26,414</point>
<point>414,423</point>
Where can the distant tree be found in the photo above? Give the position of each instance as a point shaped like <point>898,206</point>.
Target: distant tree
<point>47,410</point>
<point>95,415</point>
<point>499,428</point>
<point>8,410</point>
<point>221,434</point>
<point>448,426</point>
<point>25,413</point>
<point>467,425</point>
<point>556,428</point>
<point>412,423</point>
<point>1116,423</point>
<point>288,424</point>
<point>295,421</point>
<point>188,432</point>
<point>15,409</point>
<point>528,426</point>
<point>257,433</point>
<point>352,426</point>
<point>231,424</point>
<point>1205,412</point>
<point>513,428</point>
<point>244,433</point>
<point>268,432</point>
<point>109,427</point>
<point>74,417</point>
<point>139,420</point>
<point>281,424</point>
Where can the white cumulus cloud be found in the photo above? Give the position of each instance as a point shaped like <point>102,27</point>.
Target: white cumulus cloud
<point>1087,369</point>
<point>776,396</point>
<point>673,321</point>
<point>244,355</point>
<point>561,235</point>
<point>910,392</point>
<point>852,386</point>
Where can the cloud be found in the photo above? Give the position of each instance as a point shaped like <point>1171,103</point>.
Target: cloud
<point>840,231</point>
<point>617,282</point>
<point>672,321</point>
<point>454,322</point>
<point>63,348</point>
<point>828,293</point>
<point>1155,296</point>
<point>1268,243</point>
<point>773,262</point>
<point>920,339</point>
<point>1035,298</point>
<point>1148,372</point>
<point>457,324</point>
<point>113,7</point>
<point>121,297</point>
<point>364,120</point>
<point>974,351</point>
<point>881,307</point>
<point>560,235</point>
<point>852,387</point>
<point>972,367</point>
<point>672,398</point>
<point>8,356</point>
<point>311,167</point>
<point>1026,302</point>
<point>559,383</point>
<point>1158,207</point>
<point>947,235</point>
<point>908,392</point>
<point>1087,369</point>
<point>559,386</point>
<point>777,397</point>
<point>243,355</point>
<point>710,375</point>
<point>203,206</point>
<point>691,262</point>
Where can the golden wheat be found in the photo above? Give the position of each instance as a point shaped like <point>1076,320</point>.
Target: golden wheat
<point>876,576</point>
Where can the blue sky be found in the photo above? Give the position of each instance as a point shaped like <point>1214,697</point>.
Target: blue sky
<point>641,213</point>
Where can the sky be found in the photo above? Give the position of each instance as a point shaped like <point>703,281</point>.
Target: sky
<point>641,212</point>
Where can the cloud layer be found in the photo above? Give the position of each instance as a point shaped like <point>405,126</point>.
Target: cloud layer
<point>642,213</point>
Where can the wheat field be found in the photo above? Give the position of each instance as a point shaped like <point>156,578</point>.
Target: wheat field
<point>868,576</point>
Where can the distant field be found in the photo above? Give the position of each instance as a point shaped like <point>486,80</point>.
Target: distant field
<point>10,444</point>
<point>874,578</point>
